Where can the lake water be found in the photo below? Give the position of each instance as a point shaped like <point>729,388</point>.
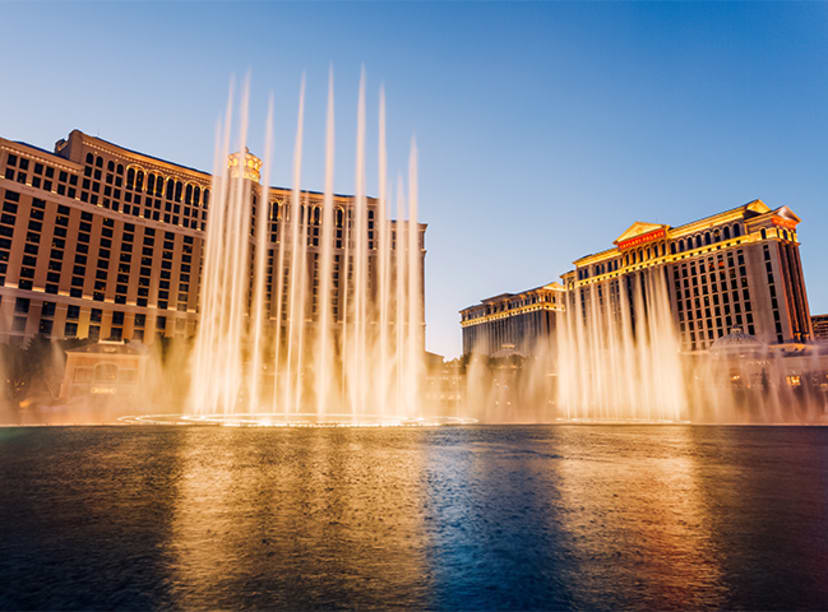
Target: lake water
<point>499,517</point>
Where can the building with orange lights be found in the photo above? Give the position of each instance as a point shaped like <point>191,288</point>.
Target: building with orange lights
<point>99,241</point>
<point>820,326</point>
<point>739,268</point>
<point>522,321</point>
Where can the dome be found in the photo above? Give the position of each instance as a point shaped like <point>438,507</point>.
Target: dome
<point>737,341</point>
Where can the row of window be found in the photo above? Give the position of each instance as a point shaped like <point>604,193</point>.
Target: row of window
<point>46,324</point>
<point>129,200</point>
<point>104,187</point>
<point>643,254</point>
<point>711,296</point>
<point>125,261</point>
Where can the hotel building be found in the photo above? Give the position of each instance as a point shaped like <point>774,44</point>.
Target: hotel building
<point>739,268</point>
<point>100,241</point>
<point>820,325</point>
<point>521,321</point>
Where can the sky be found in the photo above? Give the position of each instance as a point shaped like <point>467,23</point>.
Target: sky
<point>544,129</point>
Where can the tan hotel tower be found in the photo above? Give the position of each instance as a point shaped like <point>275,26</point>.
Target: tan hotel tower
<point>103,242</point>
<point>738,268</point>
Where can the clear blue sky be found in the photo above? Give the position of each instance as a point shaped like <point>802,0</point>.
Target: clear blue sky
<point>544,129</point>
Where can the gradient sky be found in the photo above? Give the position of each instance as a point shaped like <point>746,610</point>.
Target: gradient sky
<point>544,130</point>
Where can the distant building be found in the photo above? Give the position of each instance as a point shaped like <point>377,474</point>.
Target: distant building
<point>444,389</point>
<point>820,325</point>
<point>522,321</point>
<point>739,268</point>
<point>106,368</point>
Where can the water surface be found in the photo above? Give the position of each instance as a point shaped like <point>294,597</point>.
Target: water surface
<point>473,517</point>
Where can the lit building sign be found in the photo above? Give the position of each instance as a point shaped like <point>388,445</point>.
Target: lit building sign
<point>642,239</point>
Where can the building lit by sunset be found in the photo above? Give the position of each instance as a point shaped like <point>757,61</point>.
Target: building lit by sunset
<point>820,326</point>
<point>524,321</point>
<point>100,241</point>
<point>739,268</point>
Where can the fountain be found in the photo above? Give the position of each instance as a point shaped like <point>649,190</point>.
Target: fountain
<point>311,312</point>
<point>618,353</point>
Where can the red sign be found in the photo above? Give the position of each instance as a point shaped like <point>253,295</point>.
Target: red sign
<point>642,239</point>
<point>782,222</point>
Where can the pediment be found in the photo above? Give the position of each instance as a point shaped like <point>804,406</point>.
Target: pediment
<point>758,207</point>
<point>787,213</point>
<point>639,228</point>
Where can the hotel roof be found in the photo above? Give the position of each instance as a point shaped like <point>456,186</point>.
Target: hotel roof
<point>191,169</point>
<point>553,286</point>
<point>750,209</point>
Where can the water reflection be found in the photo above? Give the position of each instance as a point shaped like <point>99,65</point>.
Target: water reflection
<point>767,496</point>
<point>640,520</point>
<point>591,517</point>
<point>495,542</point>
<point>311,518</point>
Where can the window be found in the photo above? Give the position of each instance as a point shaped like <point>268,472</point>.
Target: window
<point>106,372</point>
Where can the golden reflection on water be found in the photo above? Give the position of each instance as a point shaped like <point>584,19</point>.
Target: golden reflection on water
<point>326,519</point>
<point>639,521</point>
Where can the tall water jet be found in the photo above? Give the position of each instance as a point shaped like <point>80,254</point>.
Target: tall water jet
<point>618,352</point>
<point>293,274</point>
<point>361,261</point>
<point>324,338</point>
<point>257,357</point>
<point>312,307</point>
<point>383,238</point>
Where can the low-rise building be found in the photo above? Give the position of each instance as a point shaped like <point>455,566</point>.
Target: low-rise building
<point>522,321</point>
<point>820,325</point>
<point>107,368</point>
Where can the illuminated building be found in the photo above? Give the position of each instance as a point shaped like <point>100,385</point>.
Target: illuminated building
<point>523,321</point>
<point>100,241</point>
<point>105,368</point>
<point>739,268</point>
<point>820,326</point>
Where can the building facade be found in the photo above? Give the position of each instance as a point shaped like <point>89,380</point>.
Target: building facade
<point>739,268</point>
<point>100,241</point>
<point>819,323</point>
<point>105,368</point>
<point>522,321</point>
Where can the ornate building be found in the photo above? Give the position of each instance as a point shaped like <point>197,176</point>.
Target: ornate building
<point>739,268</point>
<point>100,241</point>
<point>522,321</point>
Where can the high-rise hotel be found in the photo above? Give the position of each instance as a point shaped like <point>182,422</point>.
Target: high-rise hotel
<point>100,241</point>
<point>738,268</point>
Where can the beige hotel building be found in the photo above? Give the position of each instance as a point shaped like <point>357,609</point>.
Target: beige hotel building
<point>738,268</point>
<point>100,241</point>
